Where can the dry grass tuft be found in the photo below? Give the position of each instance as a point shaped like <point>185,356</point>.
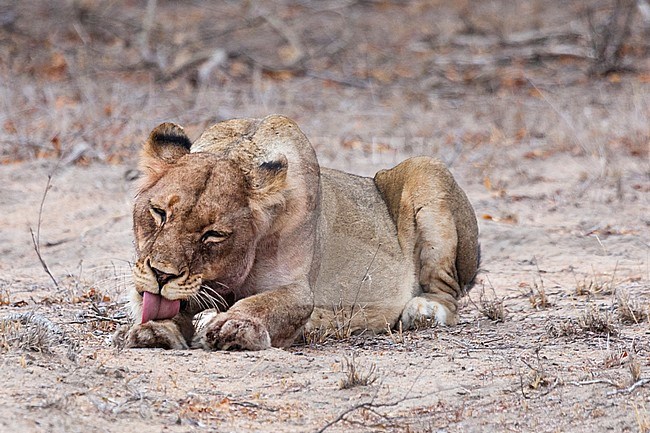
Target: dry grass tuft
<point>5,296</point>
<point>339,328</point>
<point>564,328</point>
<point>355,376</point>
<point>642,418</point>
<point>341,325</point>
<point>634,366</point>
<point>537,376</point>
<point>596,285</point>
<point>608,37</point>
<point>597,322</point>
<point>615,358</point>
<point>537,296</point>
<point>315,336</point>
<point>424,323</point>
<point>397,335</point>
<point>590,287</point>
<point>630,310</point>
<point>492,306</point>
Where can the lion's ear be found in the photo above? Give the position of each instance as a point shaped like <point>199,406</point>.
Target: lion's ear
<point>270,176</point>
<point>166,143</point>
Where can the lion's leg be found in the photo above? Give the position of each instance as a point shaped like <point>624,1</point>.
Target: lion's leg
<point>167,334</point>
<point>258,322</point>
<point>435,250</point>
<point>437,225</point>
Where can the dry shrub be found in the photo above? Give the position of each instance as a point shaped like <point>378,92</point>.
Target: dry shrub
<point>609,37</point>
<point>26,332</point>
<point>355,375</point>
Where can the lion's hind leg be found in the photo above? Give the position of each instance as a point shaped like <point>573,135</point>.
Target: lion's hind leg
<point>435,252</point>
<point>437,226</point>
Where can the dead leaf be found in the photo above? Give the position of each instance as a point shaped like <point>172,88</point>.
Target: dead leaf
<point>644,78</point>
<point>614,78</point>
<point>487,183</point>
<point>508,218</point>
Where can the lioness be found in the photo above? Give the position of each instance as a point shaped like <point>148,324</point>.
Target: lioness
<point>245,221</point>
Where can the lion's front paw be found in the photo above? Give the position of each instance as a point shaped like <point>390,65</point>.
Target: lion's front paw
<point>228,331</point>
<point>164,334</point>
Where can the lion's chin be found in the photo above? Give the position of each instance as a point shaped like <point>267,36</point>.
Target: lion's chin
<point>155,307</point>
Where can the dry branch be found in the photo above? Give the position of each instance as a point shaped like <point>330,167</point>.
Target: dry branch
<point>371,405</point>
<point>635,385</point>
<point>36,238</point>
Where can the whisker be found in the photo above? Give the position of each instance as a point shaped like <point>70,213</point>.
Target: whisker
<point>209,301</point>
<point>219,283</point>
<point>203,303</point>
<point>194,299</point>
<point>215,296</point>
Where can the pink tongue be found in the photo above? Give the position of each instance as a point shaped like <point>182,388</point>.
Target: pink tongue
<point>155,307</point>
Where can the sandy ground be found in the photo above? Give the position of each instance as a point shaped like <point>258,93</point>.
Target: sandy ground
<point>554,337</point>
<point>543,231</point>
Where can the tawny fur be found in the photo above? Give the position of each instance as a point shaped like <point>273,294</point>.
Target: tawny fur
<point>304,248</point>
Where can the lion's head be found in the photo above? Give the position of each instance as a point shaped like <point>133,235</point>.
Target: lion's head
<point>197,219</point>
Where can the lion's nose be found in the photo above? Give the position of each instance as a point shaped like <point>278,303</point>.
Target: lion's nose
<point>163,277</point>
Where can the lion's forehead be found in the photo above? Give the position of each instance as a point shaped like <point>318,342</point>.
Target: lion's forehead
<point>201,182</point>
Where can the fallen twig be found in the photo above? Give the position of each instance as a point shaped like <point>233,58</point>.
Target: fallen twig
<point>97,318</point>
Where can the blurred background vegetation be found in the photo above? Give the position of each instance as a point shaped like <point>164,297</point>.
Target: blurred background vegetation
<point>86,80</point>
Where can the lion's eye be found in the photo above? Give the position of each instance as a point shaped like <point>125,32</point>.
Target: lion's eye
<point>159,215</point>
<point>213,236</point>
